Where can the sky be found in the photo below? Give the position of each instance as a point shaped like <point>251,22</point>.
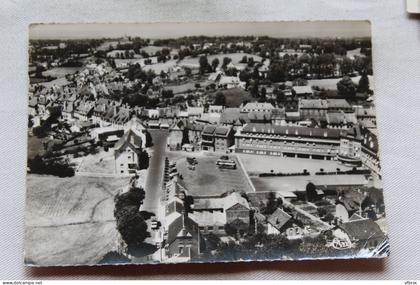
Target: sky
<point>290,29</point>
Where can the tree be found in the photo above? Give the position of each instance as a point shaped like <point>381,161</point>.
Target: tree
<point>212,241</point>
<point>220,99</point>
<point>204,64</point>
<point>185,137</point>
<point>363,84</point>
<point>236,228</point>
<point>226,61</point>
<point>346,87</point>
<point>114,257</point>
<point>272,204</point>
<point>130,222</point>
<point>276,73</point>
<point>149,139</point>
<point>144,160</point>
<point>263,96</point>
<point>311,194</point>
<point>132,227</point>
<point>215,63</point>
<point>132,198</point>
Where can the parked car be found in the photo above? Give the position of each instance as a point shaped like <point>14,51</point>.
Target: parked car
<point>155,224</point>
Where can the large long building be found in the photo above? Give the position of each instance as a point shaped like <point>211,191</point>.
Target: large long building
<point>287,141</point>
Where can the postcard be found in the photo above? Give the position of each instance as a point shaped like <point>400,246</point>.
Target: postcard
<point>198,142</point>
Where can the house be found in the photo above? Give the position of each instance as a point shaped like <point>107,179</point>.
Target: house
<point>210,221</point>
<point>363,233</point>
<point>370,150</point>
<point>175,135</point>
<point>195,112</point>
<point>126,153</point>
<point>122,115</point>
<point>216,109</point>
<point>68,110</point>
<point>217,138</point>
<point>136,125</point>
<point>278,222</point>
<point>302,91</point>
<point>233,206</point>
<point>229,82</point>
<point>257,107</point>
<point>84,110</point>
<point>236,207</point>
<point>312,108</point>
<point>341,120</point>
<point>183,239</point>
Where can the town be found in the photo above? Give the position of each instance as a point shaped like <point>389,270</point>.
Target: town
<point>202,148</point>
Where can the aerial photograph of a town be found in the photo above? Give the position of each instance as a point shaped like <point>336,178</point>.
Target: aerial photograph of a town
<point>202,142</point>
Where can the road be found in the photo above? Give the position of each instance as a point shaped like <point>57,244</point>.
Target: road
<point>155,172</point>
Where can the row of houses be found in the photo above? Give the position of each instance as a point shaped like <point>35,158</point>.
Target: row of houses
<point>186,227</point>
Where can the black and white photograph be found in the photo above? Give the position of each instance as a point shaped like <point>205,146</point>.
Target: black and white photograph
<point>202,142</point>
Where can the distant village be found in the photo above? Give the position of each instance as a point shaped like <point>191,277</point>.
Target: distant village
<point>259,148</point>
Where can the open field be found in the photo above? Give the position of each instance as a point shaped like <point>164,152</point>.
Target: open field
<point>161,66</point>
<point>102,162</point>
<point>331,83</point>
<point>61,71</point>
<point>256,164</point>
<point>236,58</point>
<point>207,178</point>
<point>151,50</point>
<point>293,183</point>
<point>70,220</point>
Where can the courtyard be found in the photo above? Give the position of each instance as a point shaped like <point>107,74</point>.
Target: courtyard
<point>257,164</point>
<point>208,178</point>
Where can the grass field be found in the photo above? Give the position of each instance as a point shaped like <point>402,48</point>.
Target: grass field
<point>331,83</point>
<point>60,71</point>
<point>293,183</point>
<point>70,220</point>
<point>256,164</point>
<point>207,178</point>
<point>102,162</point>
<point>236,58</point>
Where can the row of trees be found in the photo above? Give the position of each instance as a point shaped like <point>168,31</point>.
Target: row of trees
<point>130,221</point>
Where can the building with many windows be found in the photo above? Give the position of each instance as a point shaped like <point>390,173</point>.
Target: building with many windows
<point>287,141</point>
<point>290,141</point>
<point>217,138</point>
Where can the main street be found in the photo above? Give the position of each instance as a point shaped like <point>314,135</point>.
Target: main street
<point>155,172</point>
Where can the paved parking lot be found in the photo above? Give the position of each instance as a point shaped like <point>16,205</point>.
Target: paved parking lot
<point>207,178</point>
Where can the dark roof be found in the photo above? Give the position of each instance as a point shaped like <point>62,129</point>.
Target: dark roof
<point>259,116</point>
<point>222,131</point>
<point>362,229</point>
<point>181,227</point>
<point>279,218</point>
<point>209,129</point>
<point>174,206</point>
<point>129,138</point>
<point>291,131</point>
<point>338,104</point>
